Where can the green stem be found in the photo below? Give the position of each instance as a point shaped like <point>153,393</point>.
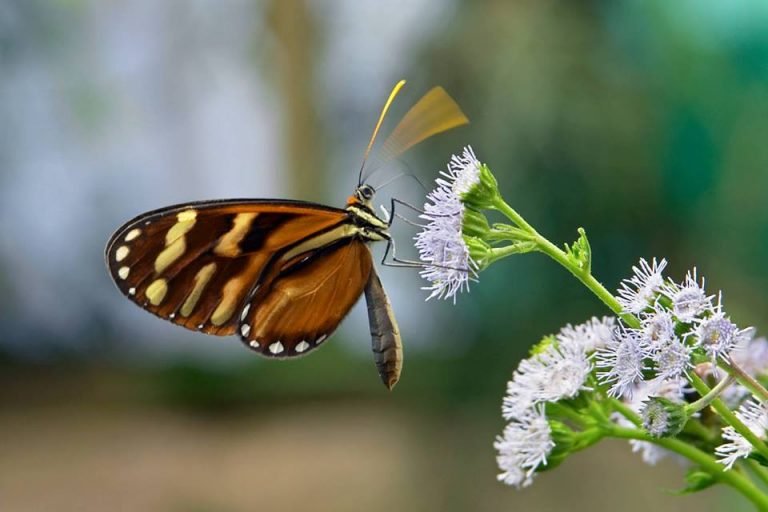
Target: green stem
<point>729,417</point>
<point>561,257</point>
<point>705,461</point>
<point>626,411</point>
<point>745,379</point>
<point>758,470</point>
<point>707,399</point>
<point>498,253</point>
<point>694,428</point>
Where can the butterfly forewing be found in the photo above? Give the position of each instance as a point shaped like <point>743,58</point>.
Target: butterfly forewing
<point>305,297</point>
<point>196,264</point>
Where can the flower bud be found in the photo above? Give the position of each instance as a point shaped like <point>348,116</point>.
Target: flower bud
<point>663,417</point>
<point>479,252</point>
<point>475,224</point>
<point>484,192</point>
<point>564,440</point>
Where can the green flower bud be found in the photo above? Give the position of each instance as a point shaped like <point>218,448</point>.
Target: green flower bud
<point>475,224</point>
<point>484,192</point>
<point>479,251</point>
<point>663,417</point>
<point>564,439</point>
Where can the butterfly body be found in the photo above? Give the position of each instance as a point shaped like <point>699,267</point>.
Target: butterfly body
<point>280,274</point>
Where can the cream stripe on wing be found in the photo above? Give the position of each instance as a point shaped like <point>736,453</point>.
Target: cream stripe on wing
<point>156,291</point>
<point>202,278</point>
<point>185,221</point>
<point>175,242</point>
<point>170,254</point>
<point>229,243</point>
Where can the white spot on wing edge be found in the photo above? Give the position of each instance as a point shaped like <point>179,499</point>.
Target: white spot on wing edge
<point>245,312</point>
<point>321,339</point>
<point>131,291</point>
<point>245,329</point>
<point>302,346</point>
<point>121,253</point>
<point>123,272</point>
<point>276,347</point>
<point>132,234</point>
<point>254,344</point>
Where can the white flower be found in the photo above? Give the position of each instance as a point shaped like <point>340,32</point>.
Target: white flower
<point>556,373</point>
<point>593,334</point>
<point>717,335</point>
<point>441,244</point>
<point>672,359</point>
<point>524,446</point>
<point>755,416</point>
<point>658,328</point>
<point>689,300</point>
<point>639,291</point>
<point>463,172</point>
<point>622,363</point>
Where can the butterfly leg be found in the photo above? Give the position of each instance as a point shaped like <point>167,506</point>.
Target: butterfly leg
<point>398,262</point>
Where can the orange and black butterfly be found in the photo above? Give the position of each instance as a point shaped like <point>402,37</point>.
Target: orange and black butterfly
<point>280,274</point>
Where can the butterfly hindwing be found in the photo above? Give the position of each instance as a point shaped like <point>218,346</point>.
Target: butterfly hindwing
<point>305,298</point>
<point>196,264</point>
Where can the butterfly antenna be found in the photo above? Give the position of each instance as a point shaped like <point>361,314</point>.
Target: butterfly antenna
<point>407,173</point>
<point>399,85</point>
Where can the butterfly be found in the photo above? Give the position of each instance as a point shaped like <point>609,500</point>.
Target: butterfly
<point>280,274</point>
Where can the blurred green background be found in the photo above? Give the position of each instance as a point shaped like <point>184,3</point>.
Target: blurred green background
<point>642,121</point>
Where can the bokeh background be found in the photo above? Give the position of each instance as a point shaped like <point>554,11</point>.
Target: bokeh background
<point>642,121</point>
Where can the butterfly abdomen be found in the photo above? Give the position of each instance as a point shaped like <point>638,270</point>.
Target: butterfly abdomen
<point>385,334</point>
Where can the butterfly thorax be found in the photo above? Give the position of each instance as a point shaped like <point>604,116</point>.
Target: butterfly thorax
<point>360,208</point>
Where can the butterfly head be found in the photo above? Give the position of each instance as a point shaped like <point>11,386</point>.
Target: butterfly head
<point>363,195</point>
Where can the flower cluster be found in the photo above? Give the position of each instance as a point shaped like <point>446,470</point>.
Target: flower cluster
<point>639,373</point>
<point>558,369</point>
<point>441,243</point>
<point>680,325</point>
<point>671,373</point>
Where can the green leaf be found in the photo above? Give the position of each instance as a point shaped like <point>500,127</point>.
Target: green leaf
<point>581,252</point>
<point>759,459</point>
<point>696,480</point>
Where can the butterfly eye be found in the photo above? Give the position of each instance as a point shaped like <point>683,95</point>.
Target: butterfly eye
<point>366,192</point>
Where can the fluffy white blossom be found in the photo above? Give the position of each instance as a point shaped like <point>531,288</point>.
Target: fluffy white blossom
<point>639,291</point>
<point>523,447</point>
<point>622,363</point>
<point>557,372</point>
<point>463,172</point>
<point>592,335</point>
<point>441,245</point>
<point>689,300</point>
<point>672,359</point>
<point>755,416</point>
<point>717,335</point>
<point>658,328</point>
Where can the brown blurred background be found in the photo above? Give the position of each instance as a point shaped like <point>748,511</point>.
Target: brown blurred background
<point>641,121</point>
